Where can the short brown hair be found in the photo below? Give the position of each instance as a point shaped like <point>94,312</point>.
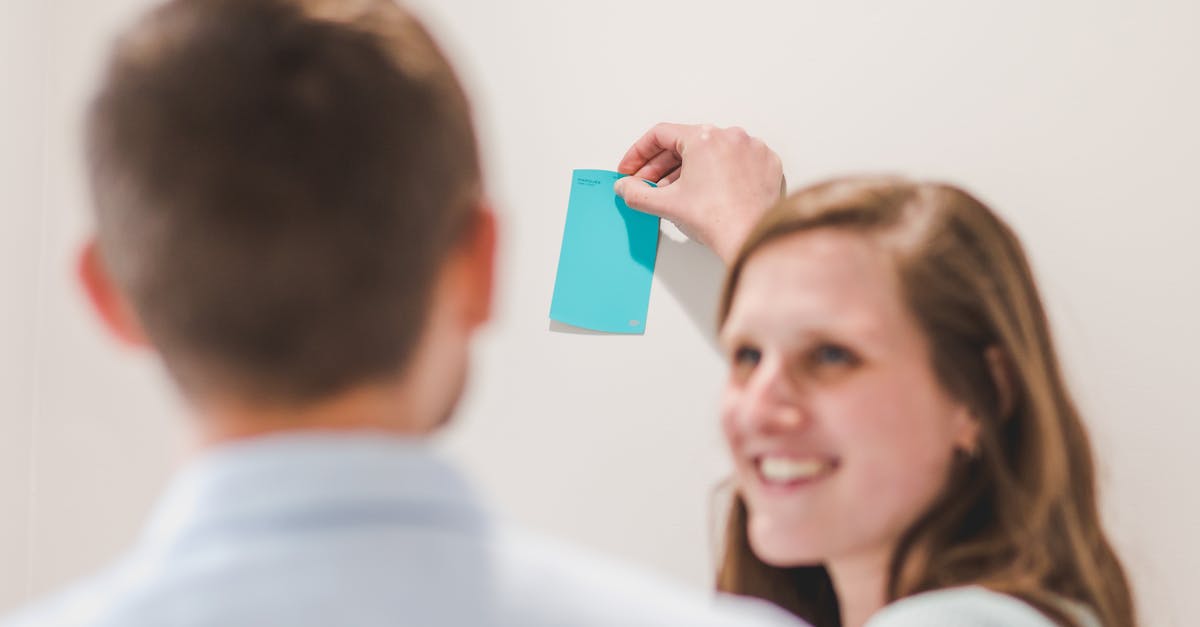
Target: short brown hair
<point>1022,517</point>
<point>276,185</point>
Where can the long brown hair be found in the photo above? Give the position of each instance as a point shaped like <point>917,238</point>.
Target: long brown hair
<point>1020,517</point>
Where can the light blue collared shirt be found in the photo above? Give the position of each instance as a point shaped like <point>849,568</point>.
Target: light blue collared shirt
<point>351,530</point>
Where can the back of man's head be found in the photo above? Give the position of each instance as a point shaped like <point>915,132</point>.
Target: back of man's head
<point>277,183</point>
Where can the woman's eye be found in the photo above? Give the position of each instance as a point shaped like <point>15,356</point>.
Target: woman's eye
<point>743,362</point>
<point>833,355</point>
<point>746,357</point>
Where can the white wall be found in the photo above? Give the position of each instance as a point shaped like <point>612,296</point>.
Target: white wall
<point>21,161</point>
<point>91,427</point>
<point>1077,120</point>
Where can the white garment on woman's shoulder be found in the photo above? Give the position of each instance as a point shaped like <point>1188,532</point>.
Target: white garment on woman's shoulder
<point>972,606</point>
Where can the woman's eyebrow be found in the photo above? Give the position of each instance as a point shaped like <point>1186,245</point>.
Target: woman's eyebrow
<point>731,334</point>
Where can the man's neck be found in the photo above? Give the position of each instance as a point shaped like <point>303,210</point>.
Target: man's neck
<point>384,409</point>
<point>860,582</point>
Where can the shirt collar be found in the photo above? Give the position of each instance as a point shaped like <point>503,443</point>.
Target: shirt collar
<point>277,478</point>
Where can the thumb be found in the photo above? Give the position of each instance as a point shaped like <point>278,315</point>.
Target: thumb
<point>642,196</point>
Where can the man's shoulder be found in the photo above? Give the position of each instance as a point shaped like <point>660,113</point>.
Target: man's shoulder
<point>505,578</point>
<point>94,602</point>
<point>556,579</point>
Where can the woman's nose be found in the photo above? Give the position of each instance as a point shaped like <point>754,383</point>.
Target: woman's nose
<point>771,401</point>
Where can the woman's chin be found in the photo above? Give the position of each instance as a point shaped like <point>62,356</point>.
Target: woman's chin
<point>785,550</point>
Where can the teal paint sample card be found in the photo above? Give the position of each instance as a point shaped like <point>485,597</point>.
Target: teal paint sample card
<point>607,258</point>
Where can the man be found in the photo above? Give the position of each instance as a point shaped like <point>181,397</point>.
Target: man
<point>289,212</point>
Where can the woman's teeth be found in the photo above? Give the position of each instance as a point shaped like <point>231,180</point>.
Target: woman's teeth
<point>785,469</point>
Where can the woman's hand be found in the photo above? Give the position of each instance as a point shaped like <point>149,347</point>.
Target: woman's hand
<point>713,183</point>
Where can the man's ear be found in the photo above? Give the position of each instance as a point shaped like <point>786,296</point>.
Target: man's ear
<point>479,265</point>
<point>107,301</point>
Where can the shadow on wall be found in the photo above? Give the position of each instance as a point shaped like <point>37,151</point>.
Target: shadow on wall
<point>693,274</point>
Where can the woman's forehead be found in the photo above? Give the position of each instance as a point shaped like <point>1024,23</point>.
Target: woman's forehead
<point>824,278</point>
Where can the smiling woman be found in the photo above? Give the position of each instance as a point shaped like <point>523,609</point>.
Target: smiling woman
<point>899,424</point>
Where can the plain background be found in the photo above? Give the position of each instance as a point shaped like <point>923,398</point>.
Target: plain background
<point>1076,120</point>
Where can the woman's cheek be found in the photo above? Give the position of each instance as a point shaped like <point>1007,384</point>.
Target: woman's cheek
<point>729,415</point>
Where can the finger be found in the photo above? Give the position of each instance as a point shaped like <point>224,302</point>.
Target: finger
<point>642,197</point>
<point>662,136</point>
<point>659,166</point>
<point>671,177</point>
